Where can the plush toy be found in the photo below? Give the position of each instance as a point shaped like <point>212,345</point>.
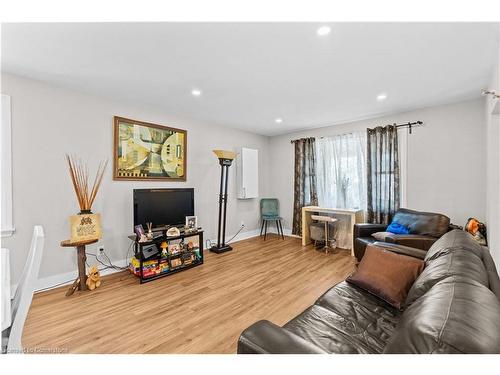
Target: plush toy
<point>477,230</point>
<point>93,278</point>
<point>164,249</point>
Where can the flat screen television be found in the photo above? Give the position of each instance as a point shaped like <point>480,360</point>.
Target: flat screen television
<point>163,207</point>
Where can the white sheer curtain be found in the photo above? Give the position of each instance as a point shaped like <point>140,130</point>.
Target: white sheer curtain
<point>341,177</point>
<point>341,171</point>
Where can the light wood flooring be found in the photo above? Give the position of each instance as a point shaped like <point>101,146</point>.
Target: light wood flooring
<point>201,310</point>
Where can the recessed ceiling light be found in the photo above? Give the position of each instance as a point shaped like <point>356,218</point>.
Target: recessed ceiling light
<point>381,96</point>
<point>279,120</point>
<point>195,92</point>
<point>323,30</point>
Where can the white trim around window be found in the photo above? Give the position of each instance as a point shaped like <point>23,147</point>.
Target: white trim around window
<point>7,225</point>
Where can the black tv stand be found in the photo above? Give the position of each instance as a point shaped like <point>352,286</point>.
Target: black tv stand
<point>183,260</point>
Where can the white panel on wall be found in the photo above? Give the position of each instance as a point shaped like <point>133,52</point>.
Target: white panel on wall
<point>247,172</point>
<point>7,226</point>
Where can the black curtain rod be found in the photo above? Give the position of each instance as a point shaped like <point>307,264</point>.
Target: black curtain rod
<point>408,125</point>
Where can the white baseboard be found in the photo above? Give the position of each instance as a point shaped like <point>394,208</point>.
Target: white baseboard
<point>55,281</point>
<point>244,235</point>
<point>255,233</point>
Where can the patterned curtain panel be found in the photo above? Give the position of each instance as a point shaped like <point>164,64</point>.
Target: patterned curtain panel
<point>305,180</point>
<point>382,164</point>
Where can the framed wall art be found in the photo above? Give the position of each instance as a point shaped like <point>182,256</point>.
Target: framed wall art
<point>145,151</point>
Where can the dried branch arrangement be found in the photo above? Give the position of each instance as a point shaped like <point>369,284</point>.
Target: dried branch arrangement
<point>80,177</point>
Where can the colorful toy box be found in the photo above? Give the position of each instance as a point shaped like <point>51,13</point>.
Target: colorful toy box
<point>149,267</point>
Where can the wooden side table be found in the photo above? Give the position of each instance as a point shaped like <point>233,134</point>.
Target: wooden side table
<point>82,274</point>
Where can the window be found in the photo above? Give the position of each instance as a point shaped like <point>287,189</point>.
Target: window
<point>7,226</point>
<point>341,171</point>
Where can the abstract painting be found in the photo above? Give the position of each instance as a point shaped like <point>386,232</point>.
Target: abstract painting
<point>144,151</point>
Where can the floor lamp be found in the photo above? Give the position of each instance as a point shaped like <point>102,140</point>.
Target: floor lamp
<point>225,160</point>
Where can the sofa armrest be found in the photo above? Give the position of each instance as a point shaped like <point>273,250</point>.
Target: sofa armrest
<point>366,229</point>
<point>265,337</point>
<point>400,249</point>
<point>411,240</point>
<point>491,269</point>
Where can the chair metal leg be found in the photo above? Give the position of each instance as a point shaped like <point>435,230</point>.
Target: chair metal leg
<point>265,231</point>
<point>281,227</point>
<point>262,227</point>
<point>326,237</point>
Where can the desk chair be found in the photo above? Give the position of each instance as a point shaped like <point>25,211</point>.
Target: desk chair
<point>270,211</point>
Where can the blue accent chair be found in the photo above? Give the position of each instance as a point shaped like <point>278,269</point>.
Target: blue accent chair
<point>270,211</point>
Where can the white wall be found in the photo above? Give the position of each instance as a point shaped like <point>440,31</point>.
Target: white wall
<point>493,164</point>
<point>48,122</point>
<point>446,172</point>
<point>446,159</point>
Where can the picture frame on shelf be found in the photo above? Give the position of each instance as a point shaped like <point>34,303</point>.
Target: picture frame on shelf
<point>139,232</point>
<point>174,248</point>
<point>191,222</point>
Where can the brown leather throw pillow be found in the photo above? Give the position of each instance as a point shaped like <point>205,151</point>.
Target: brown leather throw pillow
<point>386,275</point>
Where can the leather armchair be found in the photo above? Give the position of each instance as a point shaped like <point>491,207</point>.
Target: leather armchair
<point>363,237</point>
<point>425,229</point>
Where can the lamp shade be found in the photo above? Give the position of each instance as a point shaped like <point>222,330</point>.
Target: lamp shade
<point>224,154</point>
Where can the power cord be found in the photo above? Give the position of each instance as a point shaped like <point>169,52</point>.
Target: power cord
<point>238,232</point>
<point>106,266</point>
<point>209,243</point>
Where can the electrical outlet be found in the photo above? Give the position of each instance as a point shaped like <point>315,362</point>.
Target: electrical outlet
<point>101,250</point>
<point>242,223</point>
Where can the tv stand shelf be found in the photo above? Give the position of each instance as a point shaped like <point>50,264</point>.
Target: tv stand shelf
<point>171,263</point>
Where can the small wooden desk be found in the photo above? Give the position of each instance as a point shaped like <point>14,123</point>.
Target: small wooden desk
<point>355,216</point>
<point>82,258</point>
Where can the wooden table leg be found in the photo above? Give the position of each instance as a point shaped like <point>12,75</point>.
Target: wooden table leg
<point>306,222</point>
<point>81,267</point>
<point>73,287</point>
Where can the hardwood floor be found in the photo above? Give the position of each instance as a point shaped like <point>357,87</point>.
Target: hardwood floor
<point>202,310</point>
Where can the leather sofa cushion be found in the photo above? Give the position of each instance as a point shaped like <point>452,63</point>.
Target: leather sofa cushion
<point>413,240</point>
<point>454,239</point>
<point>422,223</point>
<point>386,274</point>
<point>455,316</point>
<point>457,262</point>
<point>345,320</point>
<point>380,236</point>
<point>454,254</point>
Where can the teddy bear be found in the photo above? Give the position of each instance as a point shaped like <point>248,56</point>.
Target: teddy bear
<point>93,278</point>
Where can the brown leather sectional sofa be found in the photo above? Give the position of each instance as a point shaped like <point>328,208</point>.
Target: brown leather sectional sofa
<point>453,307</point>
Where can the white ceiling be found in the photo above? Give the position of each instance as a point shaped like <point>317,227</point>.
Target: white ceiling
<point>252,73</point>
